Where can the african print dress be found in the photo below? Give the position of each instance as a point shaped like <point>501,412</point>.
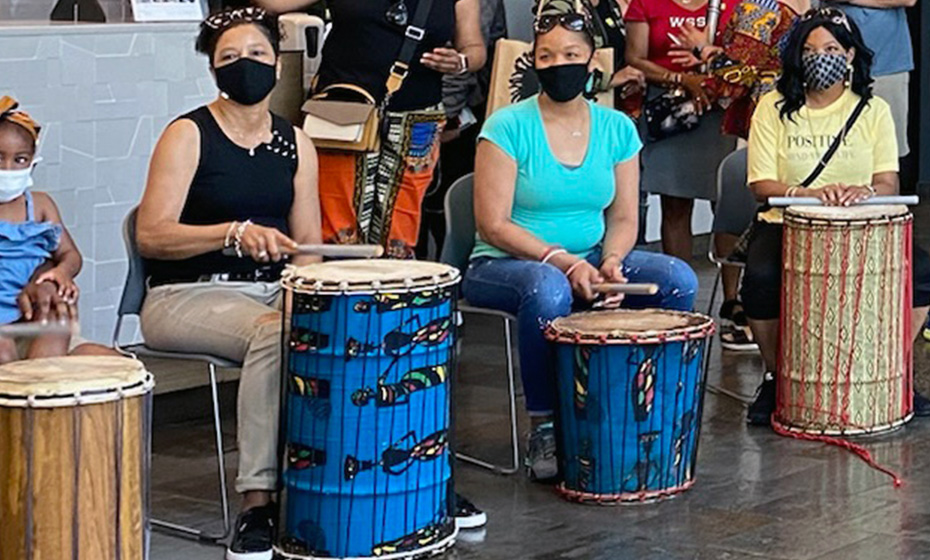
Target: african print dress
<point>751,63</point>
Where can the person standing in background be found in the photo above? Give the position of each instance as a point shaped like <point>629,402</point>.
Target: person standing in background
<point>883,24</point>
<point>745,64</point>
<point>377,197</point>
<point>680,167</point>
<point>464,97</point>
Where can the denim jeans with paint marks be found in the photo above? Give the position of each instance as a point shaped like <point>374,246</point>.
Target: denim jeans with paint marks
<point>537,293</point>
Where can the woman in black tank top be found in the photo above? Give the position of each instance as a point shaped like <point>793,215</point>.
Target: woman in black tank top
<point>232,176</point>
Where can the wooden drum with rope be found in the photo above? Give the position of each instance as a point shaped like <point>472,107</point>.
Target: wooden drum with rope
<point>74,459</point>
<point>845,364</point>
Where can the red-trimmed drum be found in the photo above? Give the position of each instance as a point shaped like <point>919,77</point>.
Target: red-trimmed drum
<point>846,366</point>
<point>631,386</point>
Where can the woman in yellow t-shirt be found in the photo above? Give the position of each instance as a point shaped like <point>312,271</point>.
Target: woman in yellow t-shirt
<point>825,75</point>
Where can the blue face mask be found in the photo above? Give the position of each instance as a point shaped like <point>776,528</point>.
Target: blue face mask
<point>14,183</point>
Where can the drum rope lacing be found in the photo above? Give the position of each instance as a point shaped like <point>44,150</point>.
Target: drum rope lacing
<point>703,330</point>
<point>841,368</point>
<point>625,498</point>
<point>854,448</point>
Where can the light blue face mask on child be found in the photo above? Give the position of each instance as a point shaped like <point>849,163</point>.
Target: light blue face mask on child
<point>13,183</point>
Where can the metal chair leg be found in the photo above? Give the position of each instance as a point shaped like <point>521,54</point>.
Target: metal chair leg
<point>710,387</point>
<point>184,530</point>
<point>512,398</point>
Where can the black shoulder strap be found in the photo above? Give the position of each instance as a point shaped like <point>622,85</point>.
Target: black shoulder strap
<point>413,34</point>
<point>835,146</point>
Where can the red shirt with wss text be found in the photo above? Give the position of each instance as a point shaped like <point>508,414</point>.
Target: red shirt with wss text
<point>664,17</point>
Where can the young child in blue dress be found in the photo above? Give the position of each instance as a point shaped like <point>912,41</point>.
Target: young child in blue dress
<point>38,258</point>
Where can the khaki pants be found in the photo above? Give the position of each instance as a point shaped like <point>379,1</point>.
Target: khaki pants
<point>238,321</point>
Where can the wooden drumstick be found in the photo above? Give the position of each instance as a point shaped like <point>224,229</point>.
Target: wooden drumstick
<point>911,200</point>
<point>34,330</point>
<point>339,251</point>
<point>353,251</point>
<point>626,289</point>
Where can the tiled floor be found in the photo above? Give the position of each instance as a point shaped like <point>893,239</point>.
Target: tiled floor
<point>757,495</point>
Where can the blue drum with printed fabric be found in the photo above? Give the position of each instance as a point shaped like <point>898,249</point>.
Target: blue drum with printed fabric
<point>370,351</point>
<point>631,386</point>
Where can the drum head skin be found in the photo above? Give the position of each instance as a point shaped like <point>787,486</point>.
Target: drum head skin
<point>66,377</point>
<point>625,326</point>
<point>369,275</point>
<point>847,213</point>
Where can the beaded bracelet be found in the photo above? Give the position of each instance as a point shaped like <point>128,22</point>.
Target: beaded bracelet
<point>239,231</point>
<point>229,231</point>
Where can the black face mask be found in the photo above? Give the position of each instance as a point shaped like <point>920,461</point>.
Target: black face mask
<point>564,82</point>
<point>246,81</point>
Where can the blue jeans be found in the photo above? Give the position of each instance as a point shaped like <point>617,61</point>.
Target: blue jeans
<point>538,293</point>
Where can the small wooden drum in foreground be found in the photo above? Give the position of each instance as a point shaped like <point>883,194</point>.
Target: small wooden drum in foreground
<point>846,366</point>
<point>631,386</point>
<point>371,348</point>
<point>74,459</point>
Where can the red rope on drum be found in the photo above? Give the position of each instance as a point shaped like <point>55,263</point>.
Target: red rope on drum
<point>818,400</point>
<point>854,448</point>
<point>806,320</point>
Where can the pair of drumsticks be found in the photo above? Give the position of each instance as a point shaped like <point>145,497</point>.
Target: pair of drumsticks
<point>375,251</point>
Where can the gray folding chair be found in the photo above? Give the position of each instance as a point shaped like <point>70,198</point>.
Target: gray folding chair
<point>736,205</point>
<point>460,239</point>
<point>131,304</point>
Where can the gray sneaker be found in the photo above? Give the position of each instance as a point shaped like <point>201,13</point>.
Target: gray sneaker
<point>541,461</point>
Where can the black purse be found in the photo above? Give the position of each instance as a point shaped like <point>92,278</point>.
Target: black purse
<point>670,113</point>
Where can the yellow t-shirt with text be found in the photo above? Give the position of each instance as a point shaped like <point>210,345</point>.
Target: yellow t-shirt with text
<point>787,150</point>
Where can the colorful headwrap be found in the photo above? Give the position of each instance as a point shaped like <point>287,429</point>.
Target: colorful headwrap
<point>8,112</point>
<point>227,18</point>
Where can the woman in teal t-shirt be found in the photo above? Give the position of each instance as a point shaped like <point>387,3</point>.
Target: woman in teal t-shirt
<point>556,204</point>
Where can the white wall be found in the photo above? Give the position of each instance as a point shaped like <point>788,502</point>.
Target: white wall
<point>701,221</point>
<point>103,94</point>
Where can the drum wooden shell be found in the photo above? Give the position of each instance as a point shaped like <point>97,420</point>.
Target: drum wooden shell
<point>74,451</point>
<point>845,363</point>
<point>630,389</point>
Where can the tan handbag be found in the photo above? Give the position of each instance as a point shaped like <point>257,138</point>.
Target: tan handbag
<point>343,125</point>
<point>355,126</point>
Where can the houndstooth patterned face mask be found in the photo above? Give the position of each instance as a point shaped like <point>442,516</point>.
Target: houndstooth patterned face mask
<point>823,70</point>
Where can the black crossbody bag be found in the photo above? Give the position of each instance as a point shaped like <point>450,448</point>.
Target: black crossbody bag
<point>740,252</point>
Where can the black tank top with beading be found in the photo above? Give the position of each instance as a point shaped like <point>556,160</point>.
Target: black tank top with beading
<point>233,184</point>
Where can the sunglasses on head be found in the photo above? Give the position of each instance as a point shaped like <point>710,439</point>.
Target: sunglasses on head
<point>571,22</point>
<point>832,15</point>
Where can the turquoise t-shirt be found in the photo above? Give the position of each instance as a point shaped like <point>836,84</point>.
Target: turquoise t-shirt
<point>560,205</point>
